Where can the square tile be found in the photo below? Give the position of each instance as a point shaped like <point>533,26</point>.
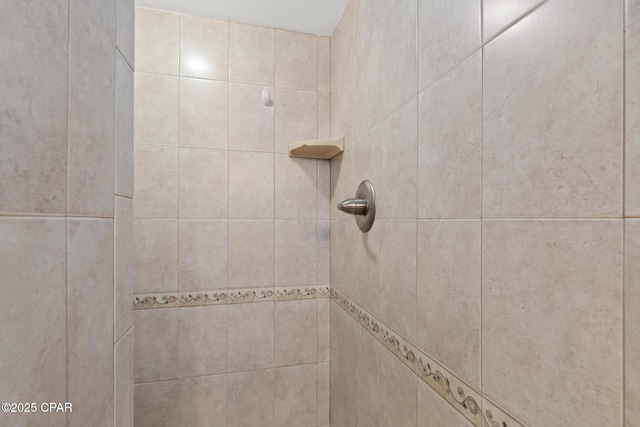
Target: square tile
<point>251,123</point>
<point>123,383</point>
<point>202,402</point>
<point>368,376</point>
<point>155,256</point>
<point>251,185</point>
<point>157,41</point>
<point>202,254</point>
<point>448,32</point>
<point>251,54</point>
<point>296,337</point>
<point>542,158</point>
<point>296,187</point>
<point>295,253</point>
<point>295,401</point>
<point>323,393</point>
<point>155,346</point>
<point>251,390</point>
<point>324,64</point>
<point>398,188</point>
<point>156,404</point>
<point>156,182</point>
<point>203,184</point>
<point>204,47</point>
<point>296,117</point>
<point>204,114</point>
<point>251,240</point>
<point>202,341</point>
<point>499,14</point>
<point>33,170</point>
<point>450,144</point>
<point>552,297</point>
<point>434,410</point>
<point>296,60</point>
<point>399,385</point>
<point>324,329</point>
<point>399,67</point>
<point>156,109</point>
<point>448,299</point>
<point>23,371</point>
<point>251,337</point>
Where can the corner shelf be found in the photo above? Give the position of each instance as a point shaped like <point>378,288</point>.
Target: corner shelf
<point>317,148</point>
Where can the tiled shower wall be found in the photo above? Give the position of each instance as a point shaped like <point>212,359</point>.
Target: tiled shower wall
<point>66,188</point>
<point>491,288</point>
<point>231,248</point>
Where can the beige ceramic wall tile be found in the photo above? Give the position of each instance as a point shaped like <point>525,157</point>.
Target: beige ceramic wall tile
<point>400,391</point>
<point>552,148</point>
<point>448,32</point>
<point>324,252</point>
<point>367,83</point>
<point>202,254</point>
<point>398,191</point>
<point>398,276</point>
<point>202,341</point>
<point>324,64</point>
<point>399,67</point>
<point>296,338</point>
<point>343,345</point>
<point>323,390</point>
<point>296,60</point>
<point>251,240</point>
<point>296,117</point>
<point>203,183</point>
<point>23,372</point>
<point>90,365</point>
<point>156,182</point>
<point>251,54</point>
<point>91,143</point>
<point>123,266</point>
<point>34,158</point>
<point>155,256</point>
<point>251,336</point>
<point>125,29</point>
<point>324,115</point>
<point>450,144</point>
<point>156,404</point>
<point>204,114</point>
<point>448,323</point>
<point>124,127</point>
<point>324,329</point>
<point>296,187</point>
<point>631,322</point>
<point>251,390</point>
<point>204,48</point>
<point>251,185</point>
<point>295,252</point>
<point>123,382</point>
<point>202,402</point>
<point>343,413</point>
<point>499,14</point>
<point>433,410</point>
<point>156,109</point>
<point>553,289</point>
<point>157,41</point>
<point>295,401</point>
<point>155,345</point>
<point>251,123</point>
<point>368,377</point>
<point>632,108</point>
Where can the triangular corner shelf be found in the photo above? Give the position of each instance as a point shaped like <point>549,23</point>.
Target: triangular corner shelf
<point>317,148</point>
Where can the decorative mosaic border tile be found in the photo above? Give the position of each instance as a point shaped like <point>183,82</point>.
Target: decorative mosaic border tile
<point>464,398</point>
<point>231,296</point>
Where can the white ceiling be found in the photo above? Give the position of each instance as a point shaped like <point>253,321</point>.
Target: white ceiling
<point>307,16</point>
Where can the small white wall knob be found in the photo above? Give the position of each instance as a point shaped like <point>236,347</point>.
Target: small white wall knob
<point>266,97</point>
